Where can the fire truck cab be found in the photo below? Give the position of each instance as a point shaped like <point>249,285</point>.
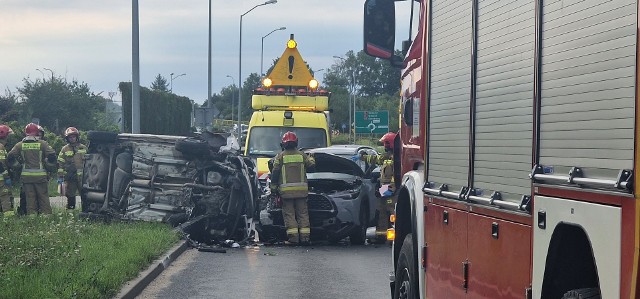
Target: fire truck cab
<point>518,146</point>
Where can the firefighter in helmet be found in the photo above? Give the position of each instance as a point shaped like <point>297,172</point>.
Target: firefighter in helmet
<point>6,201</point>
<point>70,159</point>
<point>387,199</point>
<point>289,179</point>
<point>36,156</point>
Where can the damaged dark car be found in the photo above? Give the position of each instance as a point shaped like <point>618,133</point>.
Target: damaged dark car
<point>341,202</point>
<point>200,184</point>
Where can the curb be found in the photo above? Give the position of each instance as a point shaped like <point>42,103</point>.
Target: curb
<point>134,287</point>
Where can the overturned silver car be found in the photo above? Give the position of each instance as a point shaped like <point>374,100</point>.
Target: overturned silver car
<point>200,184</point>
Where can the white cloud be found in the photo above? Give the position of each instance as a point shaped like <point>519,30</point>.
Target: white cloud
<point>91,40</point>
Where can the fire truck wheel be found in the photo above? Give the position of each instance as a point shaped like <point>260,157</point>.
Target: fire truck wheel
<point>587,293</point>
<point>406,276</point>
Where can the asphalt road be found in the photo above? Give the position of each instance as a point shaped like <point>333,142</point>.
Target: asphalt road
<point>319,271</point>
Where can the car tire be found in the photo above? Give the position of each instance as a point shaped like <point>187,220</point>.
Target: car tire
<point>359,235</point>
<point>100,136</point>
<point>192,147</point>
<point>586,293</point>
<point>406,275</point>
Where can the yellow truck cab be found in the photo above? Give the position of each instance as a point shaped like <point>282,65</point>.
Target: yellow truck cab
<point>289,100</point>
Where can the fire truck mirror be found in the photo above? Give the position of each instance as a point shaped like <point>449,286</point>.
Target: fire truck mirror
<point>379,28</point>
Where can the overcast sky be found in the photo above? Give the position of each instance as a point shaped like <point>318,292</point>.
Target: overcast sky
<point>90,40</point>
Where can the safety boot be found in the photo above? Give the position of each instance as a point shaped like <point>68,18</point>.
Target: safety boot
<point>71,203</point>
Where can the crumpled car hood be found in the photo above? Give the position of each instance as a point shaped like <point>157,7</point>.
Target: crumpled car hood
<point>329,163</point>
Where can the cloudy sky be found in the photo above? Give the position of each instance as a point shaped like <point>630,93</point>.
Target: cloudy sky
<point>90,40</point>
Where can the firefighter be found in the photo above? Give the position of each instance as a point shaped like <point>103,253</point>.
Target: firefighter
<point>6,201</point>
<point>387,198</point>
<point>289,180</point>
<point>70,160</point>
<point>36,156</point>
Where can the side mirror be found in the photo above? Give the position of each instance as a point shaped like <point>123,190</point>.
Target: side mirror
<point>379,28</point>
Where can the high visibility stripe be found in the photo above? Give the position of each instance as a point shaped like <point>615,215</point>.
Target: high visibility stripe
<point>69,153</point>
<point>305,230</point>
<point>31,146</point>
<point>41,173</point>
<point>3,156</point>
<point>381,233</point>
<point>82,151</point>
<point>292,231</point>
<point>301,184</point>
<point>292,159</point>
<point>285,189</point>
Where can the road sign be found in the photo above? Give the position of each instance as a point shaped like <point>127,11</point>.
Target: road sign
<point>376,122</point>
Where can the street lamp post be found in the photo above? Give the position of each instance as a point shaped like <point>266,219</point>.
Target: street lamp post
<point>240,63</point>
<point>262,47</point>
<point>232,80</point>
<point>352,91</point>
<point>171,82</point>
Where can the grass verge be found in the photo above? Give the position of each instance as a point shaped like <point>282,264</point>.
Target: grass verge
<point>60,256</point>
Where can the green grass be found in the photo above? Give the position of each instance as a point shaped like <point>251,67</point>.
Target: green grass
<point>60,256</point>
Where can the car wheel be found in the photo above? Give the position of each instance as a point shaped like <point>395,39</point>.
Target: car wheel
<point>406,280</point>
<point>100,136</point>
<point>359,236</point>
<point>587,293</point>
<point>192,146</point>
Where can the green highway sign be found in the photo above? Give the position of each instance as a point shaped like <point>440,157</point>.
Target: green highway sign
<point>376,122</point>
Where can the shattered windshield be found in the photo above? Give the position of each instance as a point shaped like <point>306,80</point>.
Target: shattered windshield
<point>266,140</point>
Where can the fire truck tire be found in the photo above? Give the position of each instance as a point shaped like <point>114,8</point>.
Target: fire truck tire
<point>406,286</point>
<point>587,293</point>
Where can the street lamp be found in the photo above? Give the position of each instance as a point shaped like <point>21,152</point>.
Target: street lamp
<point>232,80</point>
<point>240,62</point>
<point>172,77</point>
<point>262,47</point>
<point>352,91</point>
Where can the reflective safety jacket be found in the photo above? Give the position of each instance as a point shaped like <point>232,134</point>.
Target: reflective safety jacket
<point>70,159</point>
<point>3,160</point>
<point>386,166</point>
<point>289,173</point>
<point>33,153</point>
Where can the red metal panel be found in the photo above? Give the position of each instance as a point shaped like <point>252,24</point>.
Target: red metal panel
<point>499,268</point>
<point>446,251</point>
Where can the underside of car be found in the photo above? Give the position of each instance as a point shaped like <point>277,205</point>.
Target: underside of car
<point>199,184</point>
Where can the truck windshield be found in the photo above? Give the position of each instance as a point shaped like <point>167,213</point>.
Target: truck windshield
<point>266,140</point>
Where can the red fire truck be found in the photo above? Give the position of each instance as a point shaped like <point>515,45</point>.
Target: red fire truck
<point>517,148</point>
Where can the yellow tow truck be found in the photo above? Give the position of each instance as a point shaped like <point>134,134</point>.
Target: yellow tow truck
<point>289,100</point>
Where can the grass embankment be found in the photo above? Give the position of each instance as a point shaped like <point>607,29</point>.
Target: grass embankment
<point>60,256</point>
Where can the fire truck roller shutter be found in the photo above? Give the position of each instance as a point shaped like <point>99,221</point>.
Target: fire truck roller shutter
<point>504,106</point>
<point>588,86</point>
<point>450,93</point>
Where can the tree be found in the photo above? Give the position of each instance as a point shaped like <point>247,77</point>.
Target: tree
<point>58,103</point>
<point>160,84</point>
<point>9,108</point>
